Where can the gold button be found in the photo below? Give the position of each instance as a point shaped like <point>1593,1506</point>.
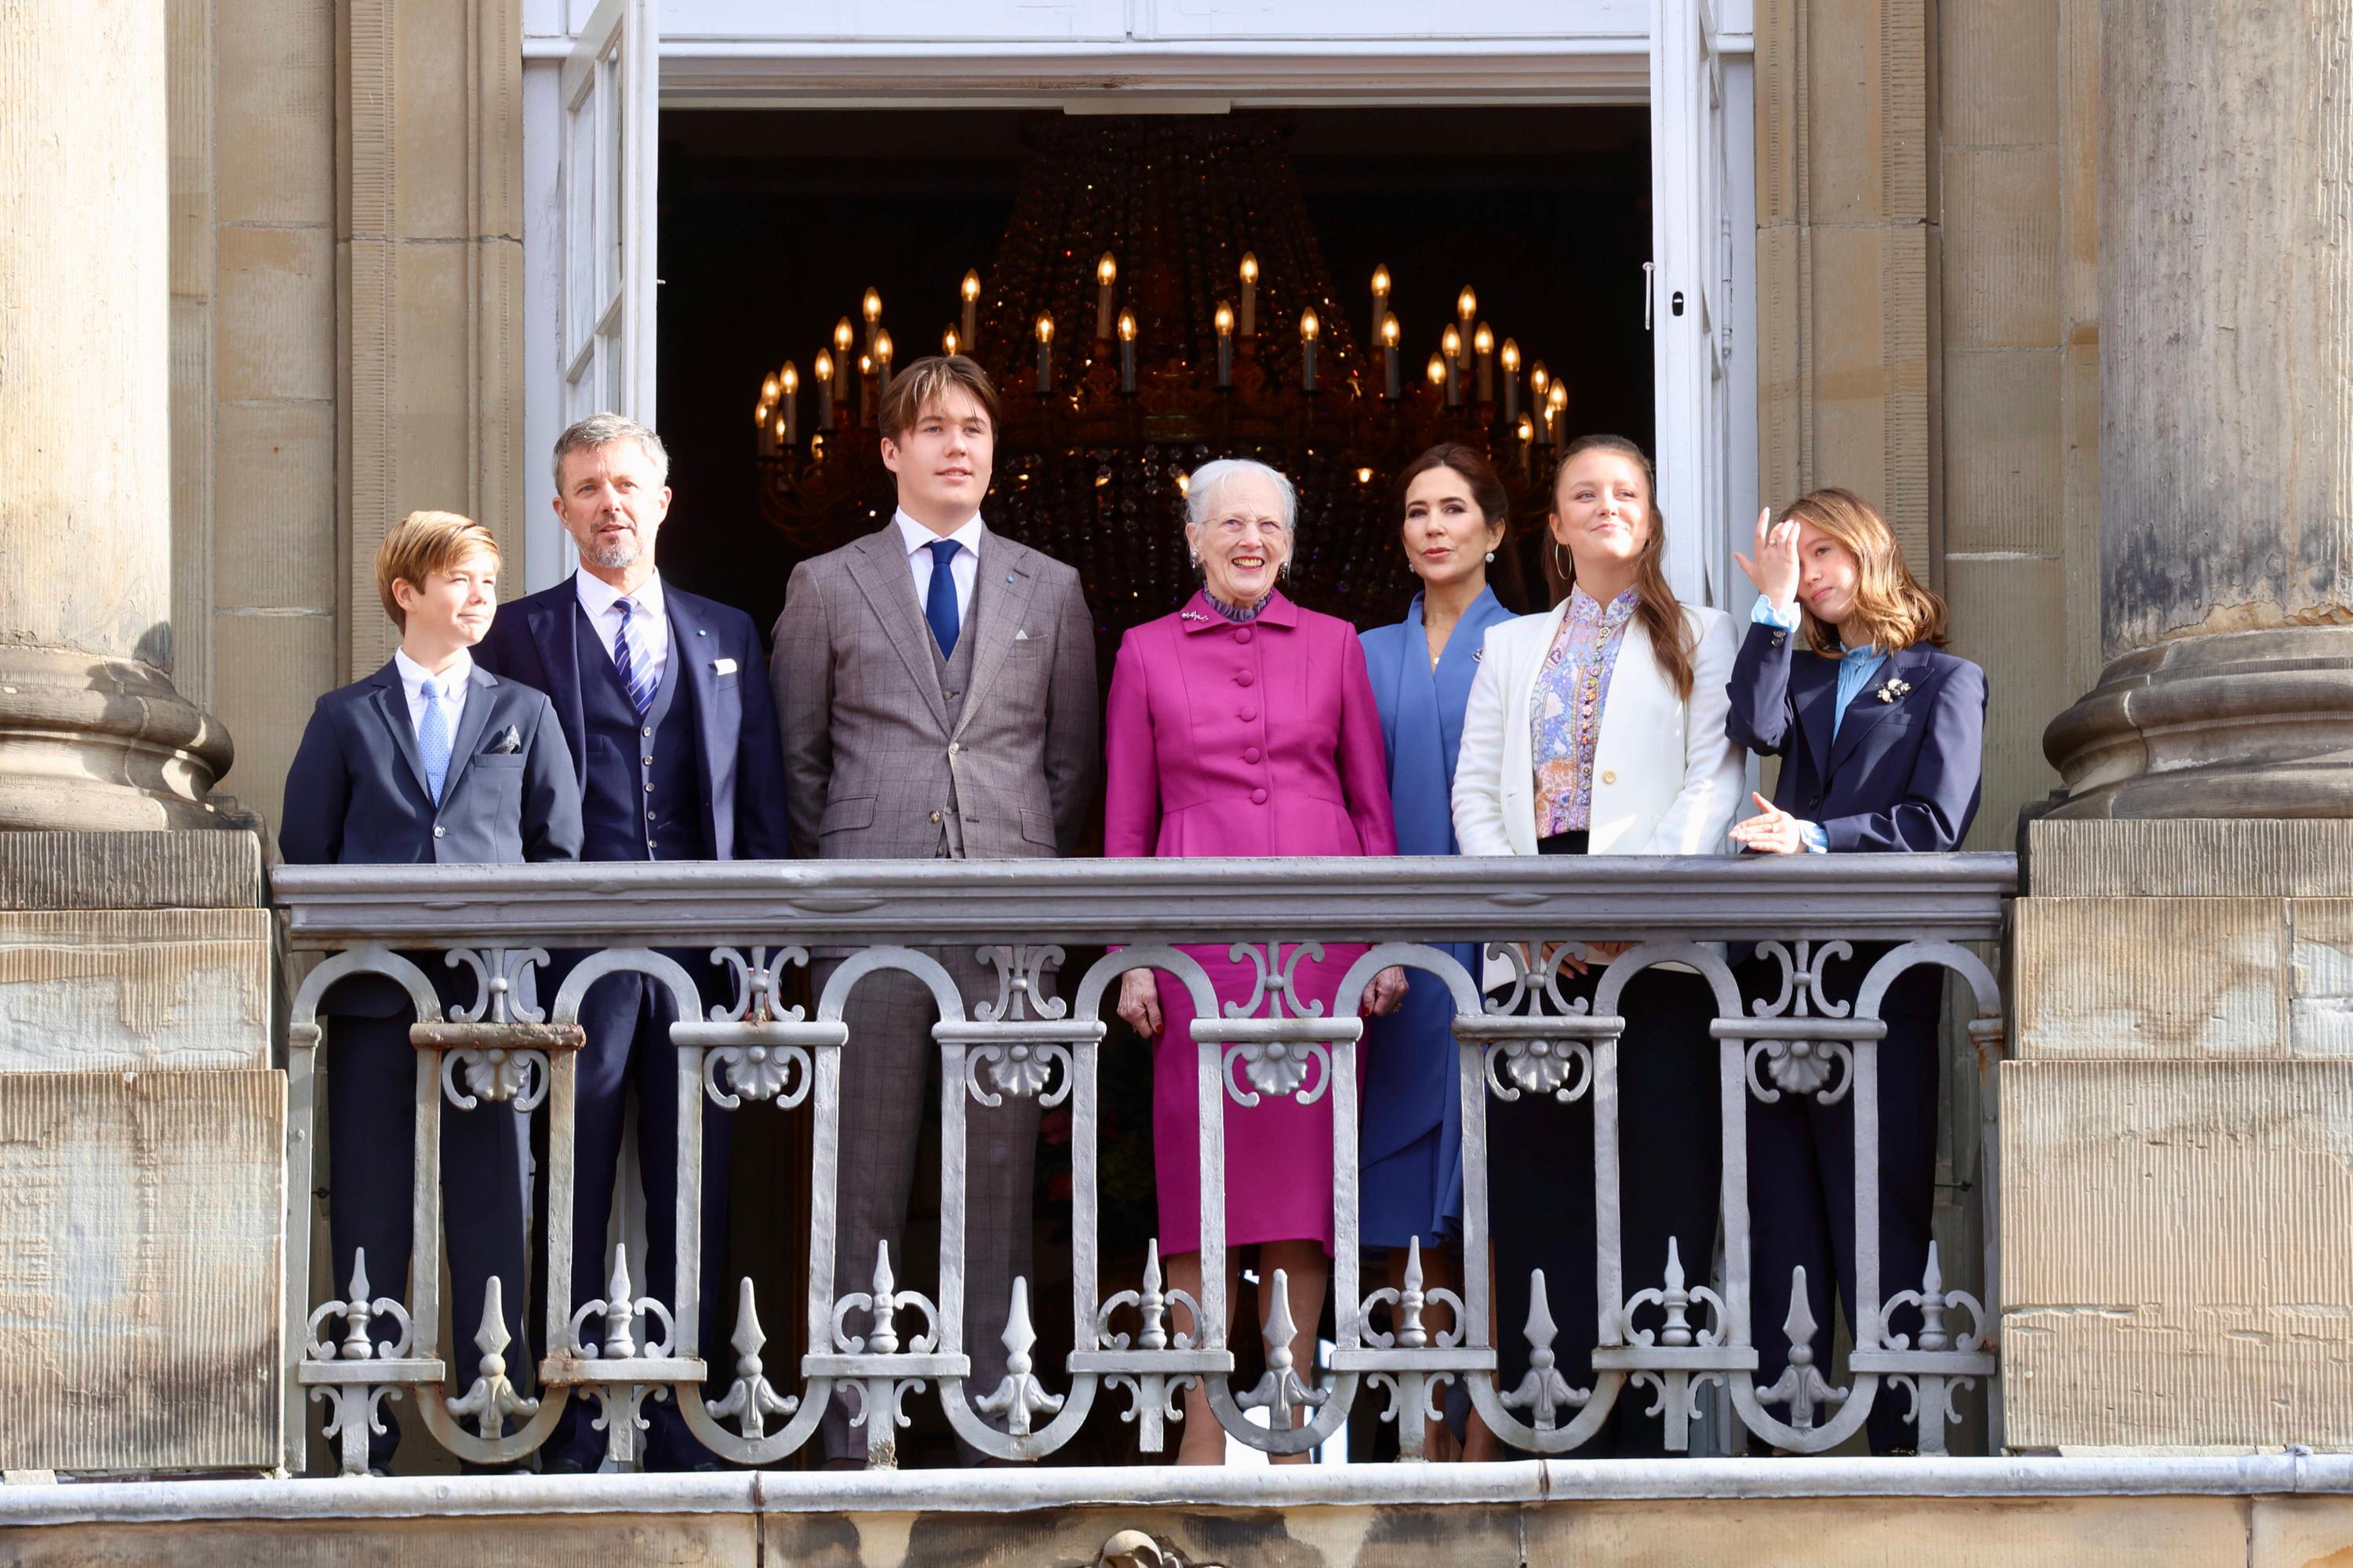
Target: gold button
<point>1609,776</point>
<point>935,816</point>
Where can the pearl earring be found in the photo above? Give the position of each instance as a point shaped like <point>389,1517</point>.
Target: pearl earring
<point>1491,557</point>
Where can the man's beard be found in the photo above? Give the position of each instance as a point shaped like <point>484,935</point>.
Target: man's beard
<point>609,556</point>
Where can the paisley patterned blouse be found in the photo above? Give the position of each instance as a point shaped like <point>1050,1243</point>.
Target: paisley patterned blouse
<point>1564,710</point>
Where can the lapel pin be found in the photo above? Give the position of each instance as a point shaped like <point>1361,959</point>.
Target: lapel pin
<point>1896,686</point>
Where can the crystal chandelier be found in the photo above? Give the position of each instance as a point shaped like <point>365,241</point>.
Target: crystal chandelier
<point>1158,299</point>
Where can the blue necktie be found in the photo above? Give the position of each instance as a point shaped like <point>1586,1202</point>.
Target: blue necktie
<point>638,682</point>
<point>433,739</point>
<point>939,604</point>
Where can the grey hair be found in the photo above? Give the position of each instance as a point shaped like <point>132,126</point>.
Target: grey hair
<point>603,430</point>
<point>1205,482</point>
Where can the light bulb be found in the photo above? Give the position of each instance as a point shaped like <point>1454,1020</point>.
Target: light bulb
<point>1511,355</point>
<point>1045,326</point>
<point>1308,326</point>
<point>871,305</point>
<point>1483,340</point>
<point>1127,326</point>
<point>1106,270</point>
<point>971,287</point>
<point>1225,319</point>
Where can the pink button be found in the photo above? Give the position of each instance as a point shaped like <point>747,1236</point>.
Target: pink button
<point>1252,754</point>
<point>1246,714</point>
<point>1258,797</point>
<point>1241,634</point>
<point>1243,677</point>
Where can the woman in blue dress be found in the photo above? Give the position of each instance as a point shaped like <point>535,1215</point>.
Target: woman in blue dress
<point>1455,514</point>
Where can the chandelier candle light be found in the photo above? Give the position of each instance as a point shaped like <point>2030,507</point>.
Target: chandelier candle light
<point>950,343</point>
<point>1539,384</point>
<point>971,334</point>
<point>1045,352</point>
<point>1389,356</point>
<point>1482,341</point>
<point>1451,346</point>
<point>1250,295</point>
<point>1308,328</point>
<point>865,379</point>
<point>1380,302</point>
<point>1126,350</point>
<point>872,307</point>
<point>789,383</point>
<point>883,351</point>
<point>1511,381</point>
<point>1106,275</point>
<point>1225,320</point>
<point>824,369</point>
<point>843,339</point>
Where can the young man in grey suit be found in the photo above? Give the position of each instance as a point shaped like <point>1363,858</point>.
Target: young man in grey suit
<point>935,686</point>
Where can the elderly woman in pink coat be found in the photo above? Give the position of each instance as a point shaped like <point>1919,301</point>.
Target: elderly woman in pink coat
<point>1243,726</point>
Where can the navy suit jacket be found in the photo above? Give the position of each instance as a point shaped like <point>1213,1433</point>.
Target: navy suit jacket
<point>356,792</point>
<point>742,761</point>
<point>1901,775</point>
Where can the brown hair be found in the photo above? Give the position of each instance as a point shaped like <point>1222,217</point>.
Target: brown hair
<point>1494,504</point>
<point>927,381</point>
<point>1655,605</point>
<point>418,545</point>
<point>1889,602</point>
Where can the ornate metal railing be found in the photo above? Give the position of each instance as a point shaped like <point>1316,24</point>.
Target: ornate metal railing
<point>1137,1336</point>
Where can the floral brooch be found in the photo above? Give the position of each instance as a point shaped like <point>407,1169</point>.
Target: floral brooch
<point>1896,686</point>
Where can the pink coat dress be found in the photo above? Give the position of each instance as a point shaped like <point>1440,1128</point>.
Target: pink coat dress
<point>1260,739</point>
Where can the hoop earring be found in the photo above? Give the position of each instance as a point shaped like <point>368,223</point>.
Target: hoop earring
<point>1569,571</point>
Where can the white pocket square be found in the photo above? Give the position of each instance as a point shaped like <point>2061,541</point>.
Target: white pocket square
<point>1021,634</point>
<point>722,666</point>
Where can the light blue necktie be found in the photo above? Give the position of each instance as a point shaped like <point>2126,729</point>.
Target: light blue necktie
<point>638,682</point>
<point>940,603</point>
<point>433,739</point>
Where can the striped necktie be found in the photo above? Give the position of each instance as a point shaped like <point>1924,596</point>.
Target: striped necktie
<point>638,682</point>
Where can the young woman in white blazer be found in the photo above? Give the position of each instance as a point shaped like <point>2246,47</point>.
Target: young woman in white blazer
<point>1600,729</point>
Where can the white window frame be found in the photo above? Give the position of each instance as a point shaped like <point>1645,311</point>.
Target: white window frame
<point>1203,56</point>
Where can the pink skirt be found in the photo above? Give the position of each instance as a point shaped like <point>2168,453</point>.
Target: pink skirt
<point>1278,1152</point>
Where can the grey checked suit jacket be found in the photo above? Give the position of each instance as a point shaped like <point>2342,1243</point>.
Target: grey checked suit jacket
<point>870,747</point>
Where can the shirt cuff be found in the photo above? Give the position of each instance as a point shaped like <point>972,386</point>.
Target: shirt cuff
<point>1817,841</point>
<point>1763,613</point>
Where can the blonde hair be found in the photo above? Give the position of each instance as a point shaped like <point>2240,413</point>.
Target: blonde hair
<point>1891,607</point>
<point>929,380</point>
<point>418,545</point>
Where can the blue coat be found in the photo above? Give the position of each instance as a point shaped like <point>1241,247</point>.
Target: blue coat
<point>1411,1145</point>
<point>742,760</point>
<point>1901,775</point>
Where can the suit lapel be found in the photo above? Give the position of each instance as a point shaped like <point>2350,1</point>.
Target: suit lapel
<point>998,612</point>
<point>480,697</point>
<point>688,662</point>
<point>1817,702</point>
<point>552,632</point>
<point>391,704</point>
<point>880,570</point>
<point>1866,711</point>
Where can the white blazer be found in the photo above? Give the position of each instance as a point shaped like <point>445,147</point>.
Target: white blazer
<point>1666,778</point>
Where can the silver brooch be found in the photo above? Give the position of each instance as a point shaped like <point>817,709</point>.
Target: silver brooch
<point>1896,686</point>
<point>1191,615</point>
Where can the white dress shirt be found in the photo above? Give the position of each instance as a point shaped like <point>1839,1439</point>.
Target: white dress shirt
<point>648,625</point>
<point>448,687</point>
<point>964,569</point>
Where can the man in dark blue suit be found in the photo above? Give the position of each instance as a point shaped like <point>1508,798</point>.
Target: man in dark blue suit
<point>660,696</point>
<point>431,760</point>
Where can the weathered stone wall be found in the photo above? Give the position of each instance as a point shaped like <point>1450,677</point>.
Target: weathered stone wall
<point>253,529</point>
<point>143,1136</point>
<point>2177,1137</point>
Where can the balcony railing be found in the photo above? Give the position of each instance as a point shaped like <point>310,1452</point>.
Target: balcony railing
<point>1134,1340</point>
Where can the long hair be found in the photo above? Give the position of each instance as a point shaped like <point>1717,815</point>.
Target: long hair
<point>1494,504</point>
<point>1892,607</point>
<point>1655,605</point>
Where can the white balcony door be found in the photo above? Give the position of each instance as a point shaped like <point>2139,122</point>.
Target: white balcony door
<point>611,96</point>
<point>1691,302</point>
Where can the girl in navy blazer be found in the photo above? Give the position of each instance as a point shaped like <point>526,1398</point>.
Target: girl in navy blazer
<point>1881,734</point>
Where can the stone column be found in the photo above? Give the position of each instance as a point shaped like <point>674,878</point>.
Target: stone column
<point>92,733</point>
<point>2226,306</point>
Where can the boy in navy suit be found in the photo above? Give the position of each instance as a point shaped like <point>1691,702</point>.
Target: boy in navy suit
<point>431,760</point>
